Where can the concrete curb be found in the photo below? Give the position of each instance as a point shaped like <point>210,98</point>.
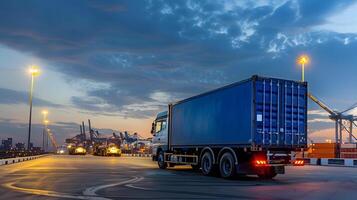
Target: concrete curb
<point>136,155</point>
<point>343,162</point>
<point>9,161</point>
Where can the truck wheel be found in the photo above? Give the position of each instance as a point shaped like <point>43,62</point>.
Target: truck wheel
<point>227,167</point>
<point>269,173</point>
<point>207,167</point>
<point>160,160</point>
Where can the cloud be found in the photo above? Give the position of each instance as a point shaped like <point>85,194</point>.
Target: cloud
<point>318,112</point>
<point>322,135</point>
<point>137,63</point>
<point>320,120</point>
<point>341,22</point>
<point>20,97</point>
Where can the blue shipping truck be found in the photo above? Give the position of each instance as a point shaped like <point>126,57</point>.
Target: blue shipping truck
<point>249,127</point>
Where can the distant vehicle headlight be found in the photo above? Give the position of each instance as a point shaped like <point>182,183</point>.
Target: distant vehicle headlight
<point>80,150</point>
<point>61,151</point>
<point>113,150</point>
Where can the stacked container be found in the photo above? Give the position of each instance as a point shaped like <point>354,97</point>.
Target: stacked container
<point>348,151</point>
<point>322,150</point>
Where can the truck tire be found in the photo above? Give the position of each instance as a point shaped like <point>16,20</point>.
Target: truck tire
<point>269,173</point>
<point>207,165</point>
<point>160,160</point>
<point>227,166</point>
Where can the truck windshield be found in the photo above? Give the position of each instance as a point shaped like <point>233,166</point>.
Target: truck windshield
<point>163,126</point>
<point>160,125</point>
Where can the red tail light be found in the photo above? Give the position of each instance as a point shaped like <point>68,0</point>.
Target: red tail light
<point>299,162</point>
<point>260,162</point>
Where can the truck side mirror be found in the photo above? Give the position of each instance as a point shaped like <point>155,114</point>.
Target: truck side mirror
<point>153,128</point>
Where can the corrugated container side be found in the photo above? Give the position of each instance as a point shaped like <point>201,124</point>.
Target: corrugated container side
<point>348,155</point>
<point>348,146</point>
<point>324,145</point>
<point>219,117</point>
<point>260,111</point>
<point>348,150</point>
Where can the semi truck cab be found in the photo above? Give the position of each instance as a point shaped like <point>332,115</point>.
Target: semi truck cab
<point>159,131</point>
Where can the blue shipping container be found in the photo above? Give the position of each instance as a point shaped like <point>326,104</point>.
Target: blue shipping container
<point>261,111</point>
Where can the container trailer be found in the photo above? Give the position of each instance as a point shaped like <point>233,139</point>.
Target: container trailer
<point>248,127</point>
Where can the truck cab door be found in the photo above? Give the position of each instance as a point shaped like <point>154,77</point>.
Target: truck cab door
<point>160,135</point>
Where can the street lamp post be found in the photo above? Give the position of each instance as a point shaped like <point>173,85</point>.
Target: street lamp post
<point>303,60</point>
<point>34,71</point>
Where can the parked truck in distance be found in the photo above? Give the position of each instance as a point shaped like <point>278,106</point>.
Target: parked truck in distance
<point>248,128</point>
<point>108,147</point>
<point>76,149</point>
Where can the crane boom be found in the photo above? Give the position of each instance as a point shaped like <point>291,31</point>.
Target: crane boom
<point>322,105</point>
<point>53,141</point>
<point>350,108</point>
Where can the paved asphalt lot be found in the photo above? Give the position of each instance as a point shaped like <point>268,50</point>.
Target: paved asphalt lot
<point>89,177</point>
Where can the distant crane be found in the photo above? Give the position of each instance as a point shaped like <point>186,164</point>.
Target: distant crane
<point>53,140</point>
<point>342,121</point>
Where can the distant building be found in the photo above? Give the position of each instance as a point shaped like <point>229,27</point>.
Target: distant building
<point>6,144</point>
<point>36,149</point>
<point>20,146</point>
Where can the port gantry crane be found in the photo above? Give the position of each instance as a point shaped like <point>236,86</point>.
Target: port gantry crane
<point>53,140</point>
<point>342,121</point>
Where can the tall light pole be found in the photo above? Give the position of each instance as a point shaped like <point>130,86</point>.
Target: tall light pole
<point>45,122</point>
<point>303,60</point>
<point>34,71</point>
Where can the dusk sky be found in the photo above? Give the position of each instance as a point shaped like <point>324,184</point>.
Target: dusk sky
<point>120,62</point>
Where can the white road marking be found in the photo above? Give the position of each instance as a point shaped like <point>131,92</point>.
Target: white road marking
<point>88,194</point>
<point>137,187</point>
<point>91,191</point>
<point>50,193</point>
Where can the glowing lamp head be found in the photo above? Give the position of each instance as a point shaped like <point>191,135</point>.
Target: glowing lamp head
<point>34,70</point>
<point>303,60</point>
<point>44,112</point>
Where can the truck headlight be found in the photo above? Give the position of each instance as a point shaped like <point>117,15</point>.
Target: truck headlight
<point>114,150</point>
<point>80,150</point>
